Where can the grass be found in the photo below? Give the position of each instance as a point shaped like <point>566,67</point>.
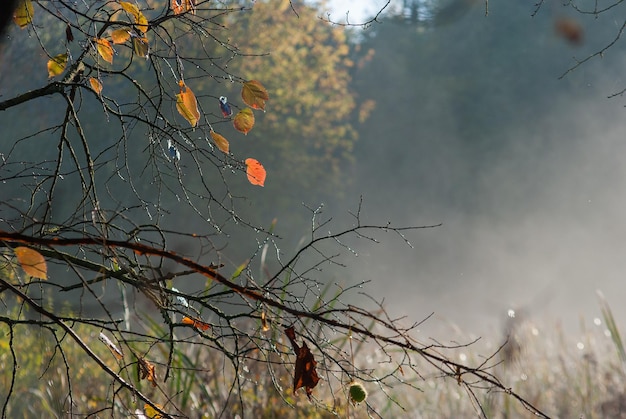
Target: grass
<point>565,376</point>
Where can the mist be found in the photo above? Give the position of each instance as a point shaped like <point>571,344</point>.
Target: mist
<point>532,206</point>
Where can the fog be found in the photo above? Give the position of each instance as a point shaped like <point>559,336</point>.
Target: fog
<point>534,223</point>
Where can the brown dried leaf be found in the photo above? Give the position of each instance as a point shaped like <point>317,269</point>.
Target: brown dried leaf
<point>305,374</point>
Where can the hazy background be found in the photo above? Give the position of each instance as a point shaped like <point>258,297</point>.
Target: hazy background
<point>525,171</point>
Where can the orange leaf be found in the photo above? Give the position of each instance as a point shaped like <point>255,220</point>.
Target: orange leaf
<point>187,105</point>
<point>254,94</point>
<point>305,374</point>
<point>114,350</point>
<point>104,49</point>
<point>255,171</point>
<point>56,65</point>
<point>23,14</point>
<point>244,121</point>
<point>140,19</point>
<point>221,142</point>
<point>119,36</point>
<point>182,6</point>
<point>147,371</point>
<point>95,85</point>
<point>197,324</point>
<point>32,262</point>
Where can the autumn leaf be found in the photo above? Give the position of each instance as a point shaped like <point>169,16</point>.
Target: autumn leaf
<point>151,412</point>
<point>182,6</point>
<point>147,371</point>
<point>95,85</point>
<point>114,349</point>
<point>264,325</point>
<point>69,36</point>
<point>23,14</point>
<point>140,46</point>
<point>220,142</point>
<point>56,65</point>
<point>255,171</point>
<point>569,29</point>
<point>244,121</point>
<point>196,324</point>
<point>187,105</point>
<point>140,20</point>
<point>32,262</point>
<point>104,49</point>
<point>119,36</point>
<point>305,374</point>
<point>254,94</point>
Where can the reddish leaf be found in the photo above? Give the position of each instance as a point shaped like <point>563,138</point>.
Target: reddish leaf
<point>187,105</point>
<point>56,65</point>
<point>254,94</point>
<point>182,6</point>
<point>305,374</point>
<point>147,371</point>
<point>244,121</point>
<point>32,262</point>
<point>104,49</point>
<point>23,14</point>
<point>95,85</point>
<point>255,171</point>
<point>197,324</point>
<point>569,29</point>
<point>220,142</point>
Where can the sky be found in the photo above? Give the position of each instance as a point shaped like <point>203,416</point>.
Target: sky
<point>359,11</point>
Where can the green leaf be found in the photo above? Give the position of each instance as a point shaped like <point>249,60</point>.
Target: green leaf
<point>56,65</point>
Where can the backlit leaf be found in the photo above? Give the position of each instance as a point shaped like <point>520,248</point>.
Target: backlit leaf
<point>140,19</point>
<point>187,105</point>
<point>244,121</point>
<point>95,85</point>
<point>195,323</point>
<point>119,36</point>
<point>140,46</point>
<point>182,6</point>
<point>151,413</point>
<point>32,262</point>
<point>56,65</point>
<point>255,171</point>
<point>220,142</point>
<point>254,94</point>
<point>23,14</point>
<point>104,49</point>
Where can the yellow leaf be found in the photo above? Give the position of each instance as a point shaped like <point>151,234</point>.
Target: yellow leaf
<point>32,262</point>
<point>140,46</point>
<point>151,412</point>
<point>56,65</point>
<point>187,105</point>
<point>23,14</point>
<point>220,142</point>
<point>244,121</point>
<point>119,36</point>
<point>256,172</point>
<point>140,19</point>
<point>95,85</point>
<point>104,49</point>
<point>254,94</point>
